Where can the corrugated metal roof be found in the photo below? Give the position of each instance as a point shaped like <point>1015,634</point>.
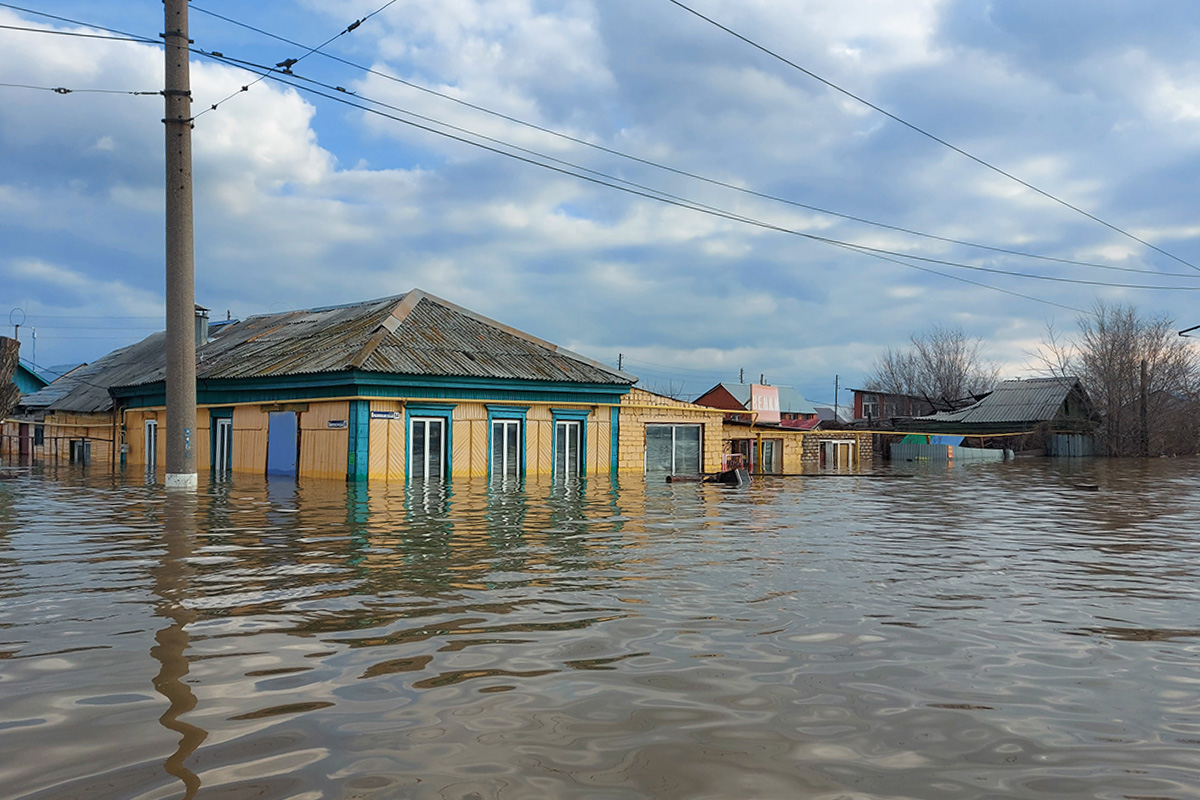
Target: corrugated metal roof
<point>410,334</point>
<point>1029,400</point>
<point>85,388</point>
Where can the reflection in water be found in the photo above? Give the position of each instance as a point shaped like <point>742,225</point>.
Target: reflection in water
<point>170,651</point>
<point>980,632</point>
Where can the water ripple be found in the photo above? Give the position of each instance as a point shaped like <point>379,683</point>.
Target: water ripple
<point>949,633</point>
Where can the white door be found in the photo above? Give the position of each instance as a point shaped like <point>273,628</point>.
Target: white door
<point>427,448</point>
<point>151,442</point>
<point>223,454</point>
<point>567,451</point>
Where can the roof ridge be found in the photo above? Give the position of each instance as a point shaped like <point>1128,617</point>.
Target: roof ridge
<point>520,334</point>
<point>387,326</point>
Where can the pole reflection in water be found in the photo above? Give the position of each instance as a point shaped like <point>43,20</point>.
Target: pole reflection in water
<point>172,586</point>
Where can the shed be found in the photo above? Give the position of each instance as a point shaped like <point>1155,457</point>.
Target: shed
<point>1016,406</point>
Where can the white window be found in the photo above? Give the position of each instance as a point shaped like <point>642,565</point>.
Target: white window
<point>674,449</point>
<point>506,449</point>
<point>567,450</point>
<point>772,456</point>
<point>837,453</point>
<point>427,448</point>
<point>870,406</point>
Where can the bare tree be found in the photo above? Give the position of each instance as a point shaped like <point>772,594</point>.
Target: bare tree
<point>9,394</point>
<point>941,364</point>
<point>1146,411</point>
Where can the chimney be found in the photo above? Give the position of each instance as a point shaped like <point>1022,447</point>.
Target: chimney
<point>201,325</point>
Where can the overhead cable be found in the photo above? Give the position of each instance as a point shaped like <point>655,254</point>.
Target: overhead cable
<point>649,192</point>
<point>686,173</point>
<point>286,65</point>
<point>65,90</point>
<point>133,37</point>
<point>929,135</point>
<point>874,252</point>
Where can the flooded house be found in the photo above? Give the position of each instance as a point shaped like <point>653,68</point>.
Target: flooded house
<point>1050,416</point>
<point>401,388</point>
<point>775,430</point>
<point>748,401</point>
<point>875,405</point>
<point>409,386</point>
<point>74,417</point>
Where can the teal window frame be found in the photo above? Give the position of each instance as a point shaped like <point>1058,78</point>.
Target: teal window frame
<point>498,412</point>
<point>569,415</point>
<point>445,411</point>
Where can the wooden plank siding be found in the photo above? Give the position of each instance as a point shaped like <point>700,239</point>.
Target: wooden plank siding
<point>323,450</point>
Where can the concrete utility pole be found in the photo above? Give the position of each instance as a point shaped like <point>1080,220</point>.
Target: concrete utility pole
<point>181,288</point>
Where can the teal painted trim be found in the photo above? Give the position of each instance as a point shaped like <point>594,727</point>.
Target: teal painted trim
<point>358,450</point>
<point>444,411</point>
<point>614,441</point>
<point>504,413</point>
<point>579,415</point>
<point>507,412</point>
<point>372,384</point>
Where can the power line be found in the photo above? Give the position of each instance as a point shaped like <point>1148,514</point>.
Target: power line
<point>290,62</point>
<point>94,316</point>
<point>929,135</point>
<point>682,203</point>
<point>127,36</point>
<point>652,193</point>
<point>681,172</point>
<point>287,64</point>
<point>76,34</point>
<point>64,90</point>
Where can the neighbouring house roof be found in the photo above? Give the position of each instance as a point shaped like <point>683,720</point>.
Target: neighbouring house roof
<point>943,403</point>
<point>28,379</point>
<point>85,388</point>
<point>790,400</point>
<point>415,334</point>
<point>826,414</point>
<point>1017,404</point>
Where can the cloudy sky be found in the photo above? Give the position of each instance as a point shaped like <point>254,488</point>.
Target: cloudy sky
<point>307,195</point>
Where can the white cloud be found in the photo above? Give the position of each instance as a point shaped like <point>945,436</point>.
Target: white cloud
<point>303,202</point>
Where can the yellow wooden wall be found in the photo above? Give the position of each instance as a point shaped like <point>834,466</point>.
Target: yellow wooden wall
<point>250,439</point>
<point>135,437</point>
<point>323,450</point>
<point>59,429</point>
<point>388,443</point>
<point>469,434</point>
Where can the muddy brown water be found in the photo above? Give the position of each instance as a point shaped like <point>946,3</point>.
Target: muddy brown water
<point>967,632</point>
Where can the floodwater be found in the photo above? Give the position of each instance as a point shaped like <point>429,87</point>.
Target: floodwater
<point>987,631</point>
